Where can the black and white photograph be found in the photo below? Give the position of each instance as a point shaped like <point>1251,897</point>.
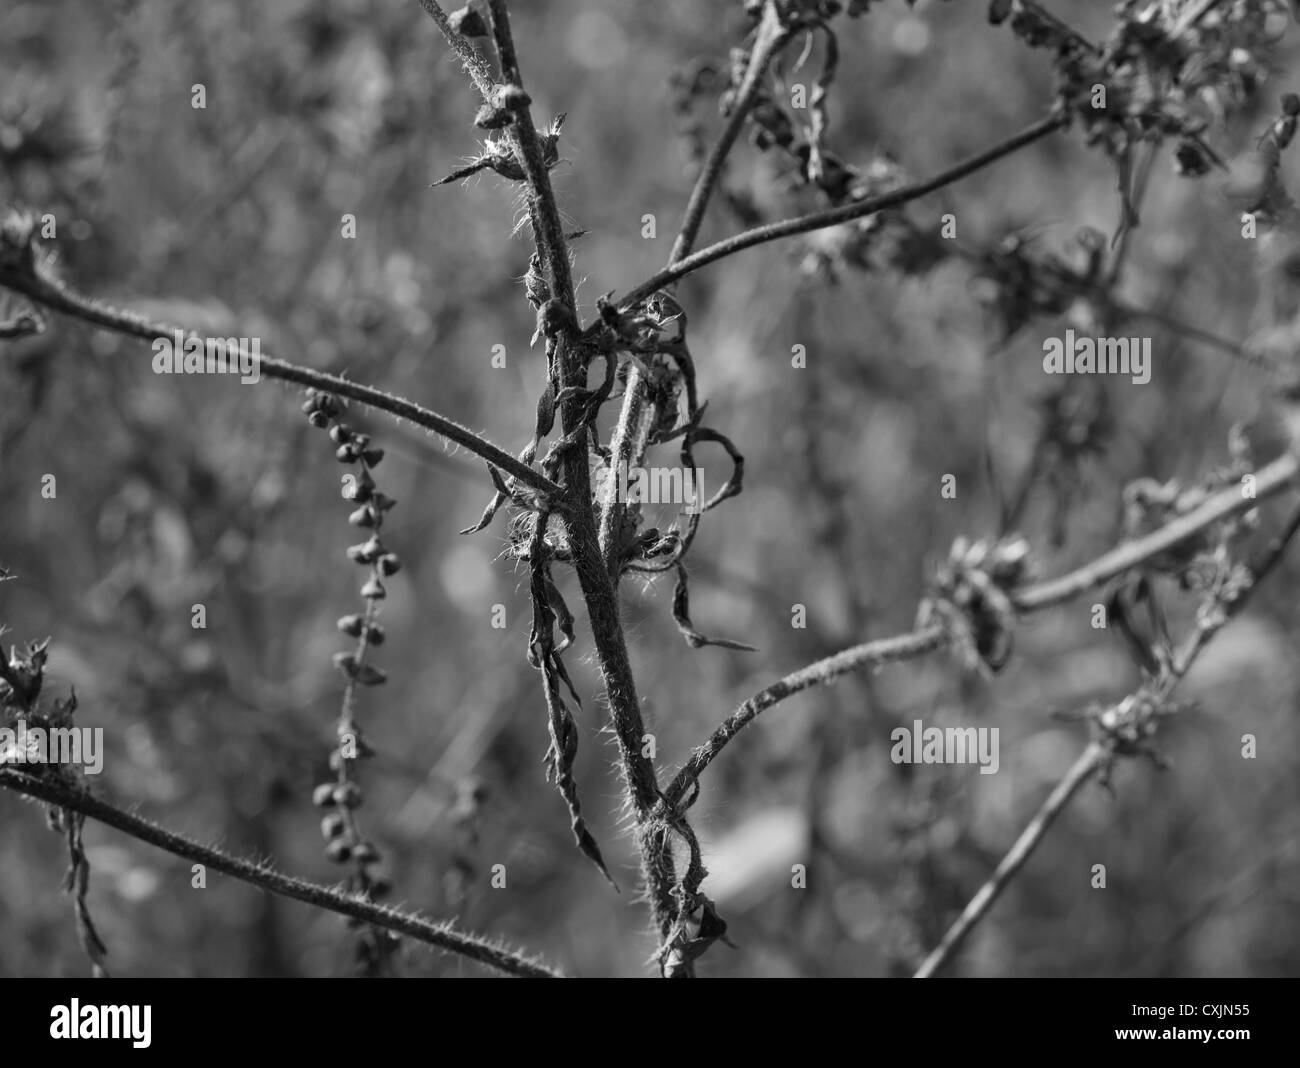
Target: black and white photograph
<point>609,489</point>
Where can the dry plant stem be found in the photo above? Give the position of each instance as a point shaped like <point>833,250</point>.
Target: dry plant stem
<point>475,65</point>
<point>1089,763</point>
<point>627,451</point>
<point>63,299</point>
<point>770,38</point>
<point>598,592</point>
<point>819,220</point>
<point>1270,480</point>
<point>439,935</point>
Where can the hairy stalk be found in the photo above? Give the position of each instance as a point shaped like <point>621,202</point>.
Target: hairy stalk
<point>658,870</point>
<point>439,935</point>
<point>62,298</point>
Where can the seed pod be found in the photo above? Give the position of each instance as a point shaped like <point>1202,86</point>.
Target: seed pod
<point>372,457</point>
<point>369,675</point>
<point>347,795</point>
<point>469,22</point>
<point>375,634</point>
<point>346,663</point>
<point>364,853</point>
<point>389,564</point>
<point>347,454</point>
<point>350,625</point>
<point>489,117</point>
<point>358,554</point>
<point>363,517</point>
<point>338,851</point>
<point>340,433</point>
<point>373,590</point>
<point>323,795</point>
<point>383,502</point>
<point>311,404</point>
<point>333,825</point>
<point>319,420</point>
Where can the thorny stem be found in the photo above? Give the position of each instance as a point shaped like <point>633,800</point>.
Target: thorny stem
<point>63,298</point>
<point>440,935</point>
<point>593,577</point>
<point>1269,480</point>
<point>819,220</point>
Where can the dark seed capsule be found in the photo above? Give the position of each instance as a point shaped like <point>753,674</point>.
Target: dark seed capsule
<point>363,517</point>
<point>339,851</point>
<point>310,405</point>
<point>358,554</point>
<point>369,675</point>
<point>373,590</point>
<point>372,457</point>
<point>347,795</point>
<point>323,795</point>
<point>375,547</point>
<point>330,405</point>
<point>347,454</point>
<point>389,564</point>
<point>340,434</point>
<point>375,634</point>
<point>319,420</point>
<point>346,663</point>
<point>469,22</point>
<point>333,825</point>
<point>364,853</point>
<point>351,625</point>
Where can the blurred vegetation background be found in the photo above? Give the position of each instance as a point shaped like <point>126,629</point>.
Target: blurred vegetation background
<point>177,490</point>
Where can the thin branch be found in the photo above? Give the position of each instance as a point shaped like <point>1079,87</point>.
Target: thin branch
<point>439,935</point>
<point>472,60</point>
<point>819,220</point>
<point>872,654</point>
<point>771,36</point>
<point>1230,501</point>
<point>62,298</point>
<point>1269,480</point>
<point>1089,763</point>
